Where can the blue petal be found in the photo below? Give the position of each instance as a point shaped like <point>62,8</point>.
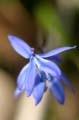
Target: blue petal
<point>39,88</point>
<point>66,81</point>
<point>38,92</point>
<point>26,78</point>
<point>30,77</point>
<point>22,77</point>
<point>17,92</point>
<point>57,90</point>
<point>20,46</point>
<point>48,66</point>
<point>56,58</point>
<point>56,51</point>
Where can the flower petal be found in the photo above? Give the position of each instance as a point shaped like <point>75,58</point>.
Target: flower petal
<point>66,81</point>
<point>48,66</point>
<point>20,46</point>
<point>56,58</point>
<point>22,77</point>
<point>17,92</point>
<point>57,90</point>
<point>26,78</point>
<point>38,92</point>
<point>39,88</point>
<point>30,77</point>
<point>56,51</point>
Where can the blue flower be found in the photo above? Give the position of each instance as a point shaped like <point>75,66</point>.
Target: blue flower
<point>40,69</point>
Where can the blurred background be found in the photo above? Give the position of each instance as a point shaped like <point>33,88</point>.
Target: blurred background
<point>43,23</point>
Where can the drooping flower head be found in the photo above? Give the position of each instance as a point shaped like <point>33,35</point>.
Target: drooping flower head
<point>40,69</point>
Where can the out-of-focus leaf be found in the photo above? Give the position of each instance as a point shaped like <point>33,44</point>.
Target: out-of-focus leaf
<point>49,19</point>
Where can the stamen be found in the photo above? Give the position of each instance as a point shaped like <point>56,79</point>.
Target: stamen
<point>33,51</point>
